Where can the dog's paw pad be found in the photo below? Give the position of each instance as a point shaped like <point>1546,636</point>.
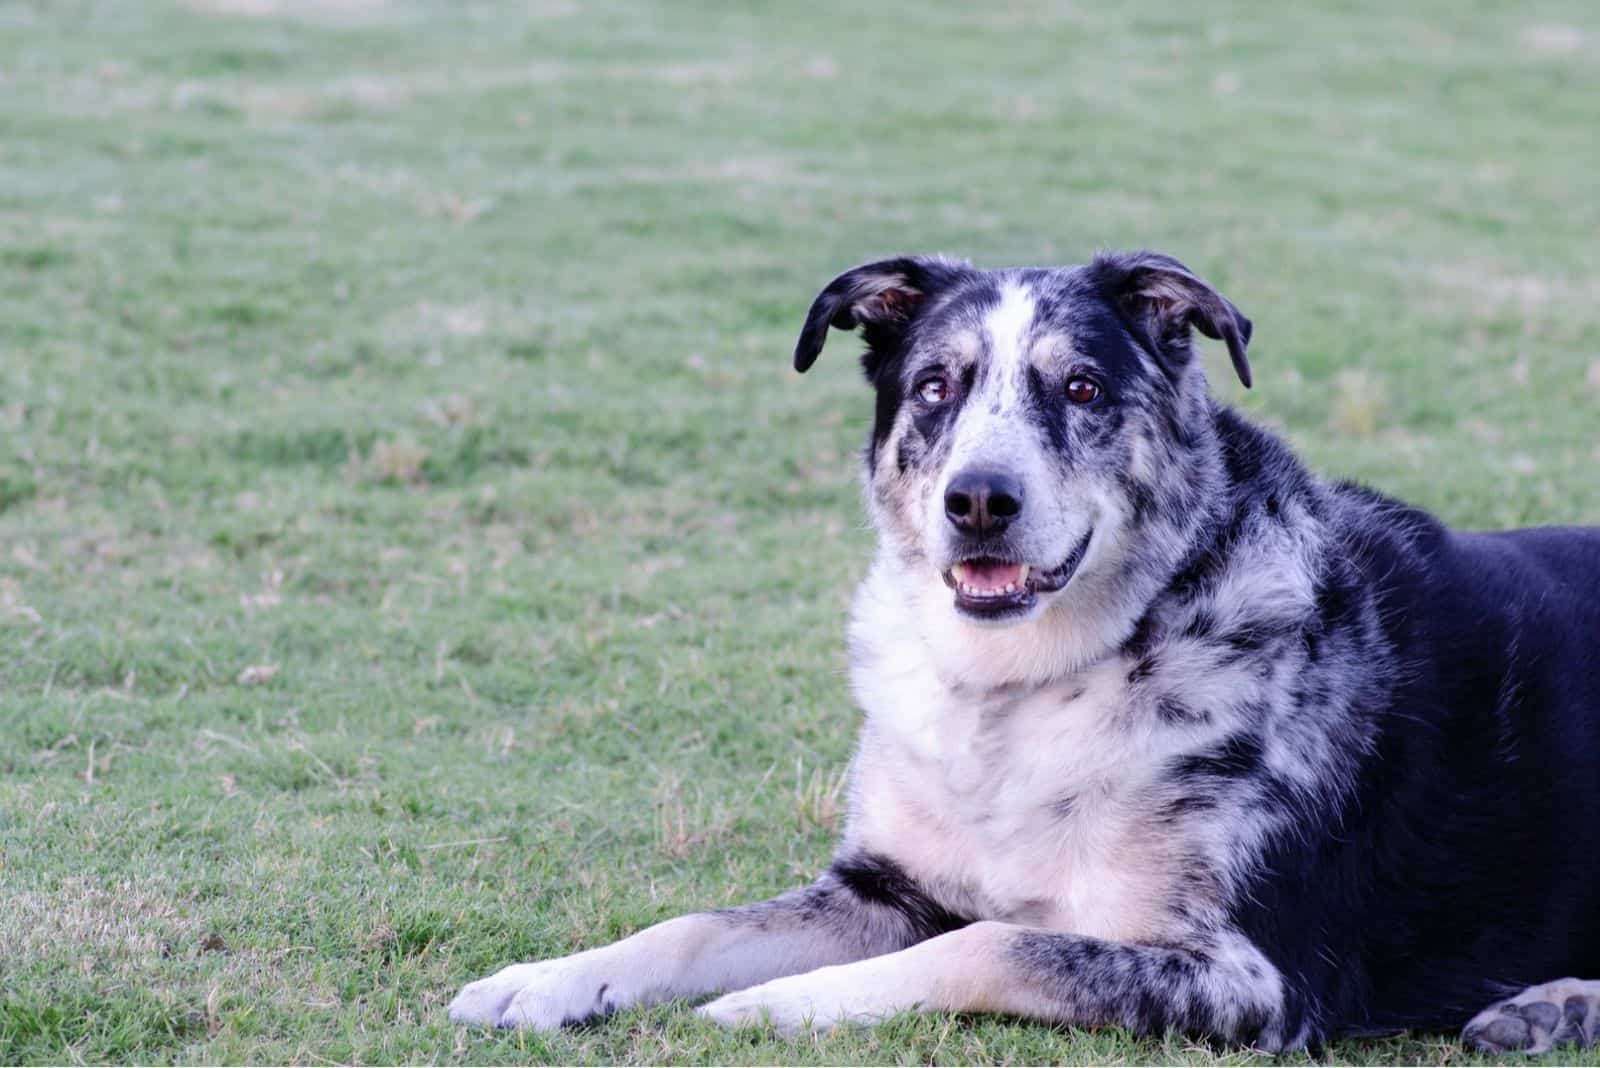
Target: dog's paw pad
<point>1540,1015</point>
<point>1502,1033</point>
<point>1561,1013</point>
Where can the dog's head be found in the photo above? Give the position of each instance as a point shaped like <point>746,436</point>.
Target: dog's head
<point>1028,420</point>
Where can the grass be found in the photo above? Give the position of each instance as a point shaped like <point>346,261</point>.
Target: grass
<point>415,554</point>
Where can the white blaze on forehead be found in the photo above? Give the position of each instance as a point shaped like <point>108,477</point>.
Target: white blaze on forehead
<point>1007,329</point>
<point>989,429</point>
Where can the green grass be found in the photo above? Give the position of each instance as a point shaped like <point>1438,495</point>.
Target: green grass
<point>436,356</point>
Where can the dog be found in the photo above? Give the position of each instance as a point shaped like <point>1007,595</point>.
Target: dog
<point>1161,730</point>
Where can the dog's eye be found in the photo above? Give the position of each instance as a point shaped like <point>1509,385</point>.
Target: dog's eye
<point>933,390</point>
<point>1081,390</point>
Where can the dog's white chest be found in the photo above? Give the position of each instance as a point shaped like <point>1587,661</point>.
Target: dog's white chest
<point>1015,805</point>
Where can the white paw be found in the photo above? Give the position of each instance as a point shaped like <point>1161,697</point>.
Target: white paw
<point>819,1000</point>
<point>540,997</point>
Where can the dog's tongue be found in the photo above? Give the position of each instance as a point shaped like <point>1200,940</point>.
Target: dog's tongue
<point>988,575</point>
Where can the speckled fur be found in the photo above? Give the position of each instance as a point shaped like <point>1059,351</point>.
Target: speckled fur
<point>1225,781</point>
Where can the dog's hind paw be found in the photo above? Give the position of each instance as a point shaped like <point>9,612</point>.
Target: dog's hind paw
<point>1560,1013</point>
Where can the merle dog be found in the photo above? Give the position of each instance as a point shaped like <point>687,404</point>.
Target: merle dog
<point>1162,730</point>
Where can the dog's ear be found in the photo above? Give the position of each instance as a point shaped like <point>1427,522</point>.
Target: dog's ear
<point>882,298</point>
<point>1164,299</point>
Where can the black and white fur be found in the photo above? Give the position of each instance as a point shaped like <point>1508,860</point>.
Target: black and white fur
<point>1246,754</point>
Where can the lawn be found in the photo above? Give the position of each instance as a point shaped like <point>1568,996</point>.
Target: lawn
<point>416,553</point>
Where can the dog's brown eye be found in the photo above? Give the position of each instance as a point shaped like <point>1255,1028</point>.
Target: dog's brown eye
<point>934,391</point>
<point>1082,390</point>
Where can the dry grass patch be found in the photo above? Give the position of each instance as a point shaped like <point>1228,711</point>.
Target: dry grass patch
<point>107,926</point>
<point>1358,404</point>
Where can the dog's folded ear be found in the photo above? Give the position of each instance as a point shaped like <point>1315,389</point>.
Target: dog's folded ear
<point>1163,298</point>
<point>882,298</point>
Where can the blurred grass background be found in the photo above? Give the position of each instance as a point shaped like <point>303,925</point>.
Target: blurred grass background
<point>415,552</point>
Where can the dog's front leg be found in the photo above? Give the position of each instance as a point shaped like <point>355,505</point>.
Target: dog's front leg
<point>1223,986</point>
<point>829,922</point>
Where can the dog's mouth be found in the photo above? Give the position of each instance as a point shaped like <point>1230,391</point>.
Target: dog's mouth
<point>988,587</point>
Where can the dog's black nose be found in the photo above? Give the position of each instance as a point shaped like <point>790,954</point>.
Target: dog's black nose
<point>982,502</point>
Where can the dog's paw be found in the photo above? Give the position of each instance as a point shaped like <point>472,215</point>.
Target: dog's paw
<point>539,997</point>
<point>819,1000</point>
<point>1564,1012</point>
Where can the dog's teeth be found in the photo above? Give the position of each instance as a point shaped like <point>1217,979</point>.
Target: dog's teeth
<point>1023,577</point>
<point>987,592</point>
<point>960,571</point>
